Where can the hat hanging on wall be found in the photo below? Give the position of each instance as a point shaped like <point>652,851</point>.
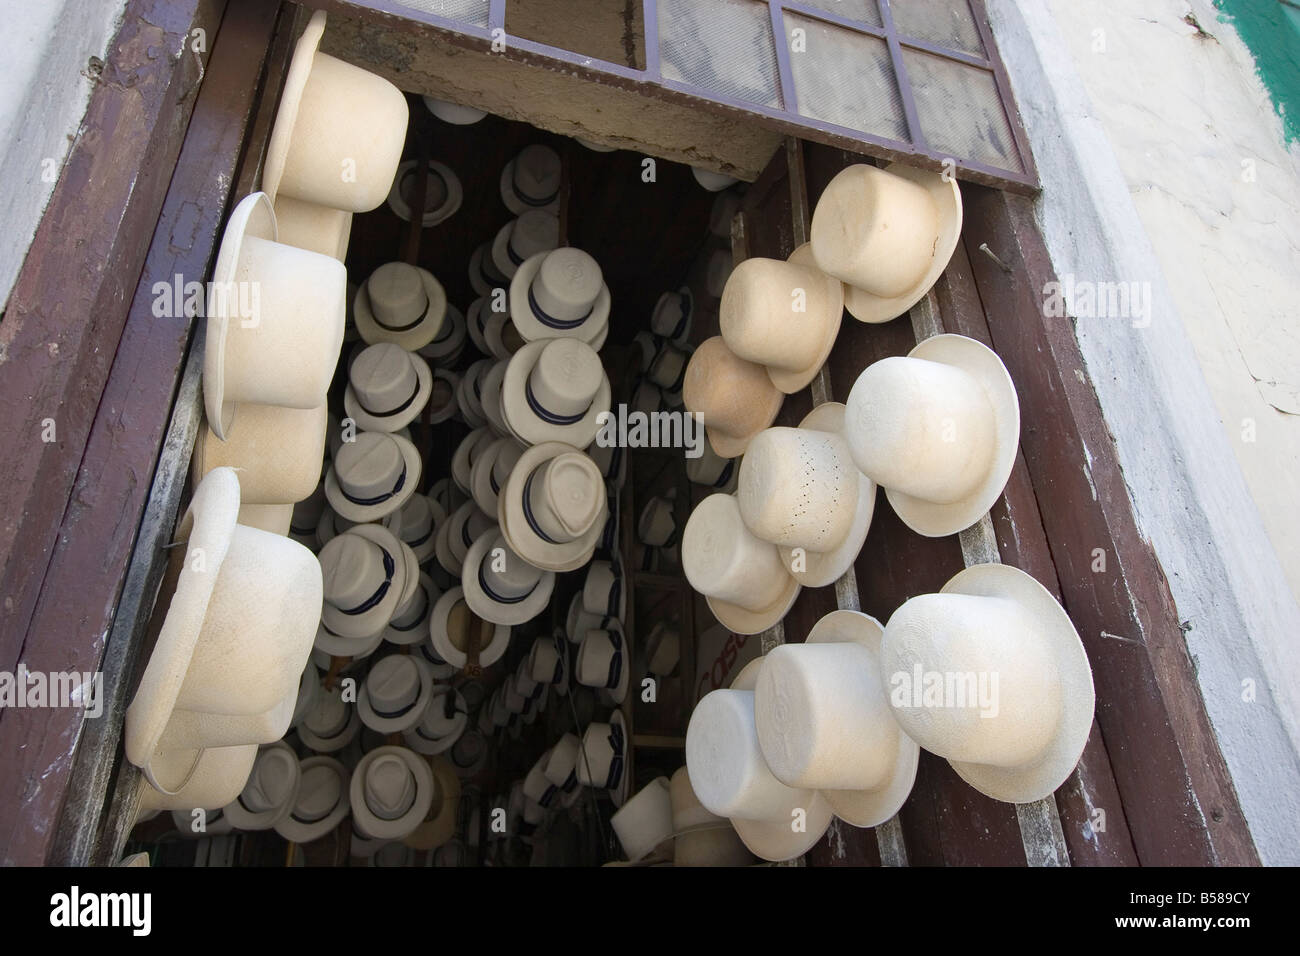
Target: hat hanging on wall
<point>416,524</point>
<point>372,476</point>
<point>442,722</point>
<point>485,278</point>
<point>552,510</point>
<point>402,304</point>
<point>800,490</point>
<point>712,470</point>
<point>438,827</point>
<point>466,525</point>
<point>306,225</point>
<point>391,791</point>
<point>612,462</point>
<point>410,623</point>
<point>784,316</point>
<point>713,182</point>
<point>395,693</point>
<point>603,758</point>
<point>736,397</point>
<point>1023,736</point>
<point>274,335</point>
<point>272,786</point>
<point>337,645</point>
<point>502,587</point>
<point>888,234</point>
<point>824,722</point>
<point>645,821</point>
<point>662,648</point>
<point>237,629</point>
<point>668,370</point>
<point>387,388</point>
<point>272,518</point>
<point>365,572</point>
<point>554,391</point>
<point>306,516</point>
<point>531,180</point>
<point>491,470</point>
<point>209,781</point>
<point>469,393</point>
<point>533,232</point>
<point>334,116</point>
<point>672,315</point>
<point>561,294</point>
<point>321,802</point>
<point>453,113</point>
<point>331,724</point>
<point>446,347</point>
<point>547,662</point>
<point>443,193</point>
<point>579,620</point>
<point>742,577</point>
<point>605,661</point>
<point>466,454</point>
<point>443,405</point>
<point>453,625</point>
<point>656,526</point>
<point>938,430</point>
<point>703,838</point>
<point>603,592</point>
<point>501,337</point>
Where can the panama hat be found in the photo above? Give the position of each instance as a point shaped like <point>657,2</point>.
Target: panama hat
<point>444,719</point>
<point>662,648</point>
<point>416,524</point>
<point>560,294</point>
<point>531,180</point>
<point>555,390</point>
<point>373,476</point>
<point>275,325</point>
<point>309,689</point>
<point>513,594</point>
<point>387,388</point>
<point>888,234</point>
<point>668,370</point>
<point>334,116</point>
<point>453,624</point>
<point>410,623</point>
<point>402,304</point>
<point>713,182</point>
<point>485,277</point>
<point>824,721</point>
<point>547,662</point>
<point>269,794</point>
<point>603,592</point>
<point>938,430</point>
<point>552,510</point>
<point>321,801</point>
<point>501,338</point>
<point>736,397</point>
<point>656,527</point>
<point>391,791</point>
<point>330,526</point>
<point>447,345</point>
<point>992,619</point>
<point>604,661</point>
<point>800,489</point>
<point>277,452</point>
<point>491,470</point>
<point>443,405</point>
<point>702,838</point>
<point>579,620</point>
<point>536,787</point>
<point>306,517</point>
<point>272,518</point>
<point>365,574</point>
<point>306,225</point>
<point>603,757</point>
<point>469,754</point>
<point>333,645</point>
<point>443,193</point>
<point>561,767</point>
<point>466,525</point>
<point>193,730</point>
<point>236,632</point>
<point>214,823</point>
<point>612,462</point>
<point>717,271</point>
<point>465,455</point>
<point>490,397</point>
<point>331,724</point>
<point>469,393</point>
<point>533,232</point>
<point>647,347</point>
<point>760,320</point>
<point>453,113</point>
<point>439,668</point>
<point>672,315</point>
<point>645,821</point>
<point>208,781</point>
<point>395,693</point>
<point>742,577</point>
<point>439,824</point>
<point>712,470</point>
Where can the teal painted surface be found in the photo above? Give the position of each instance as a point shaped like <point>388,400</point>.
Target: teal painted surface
<point>1271,28</point>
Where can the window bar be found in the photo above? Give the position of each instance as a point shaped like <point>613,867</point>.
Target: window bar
<point>496,15</point>
<point>901,78</point>
<point>650,18</point>
<point>1027,168</point>
<point>784,71</point>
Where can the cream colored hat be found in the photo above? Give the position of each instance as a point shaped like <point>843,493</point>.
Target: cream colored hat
<point>402,304</point>
<point>491,471</point>
<point>395,693</point>
<point>334,117</point>
<point>560,294</point>
<point>466,454</point>
<point>277,452</point>
<point>782,315</point>
<point>713,182</point>
<point>800,489</point>
<point>535,231</point>
<point>552,510</point>
<point>547,662</point>
<point>562,767</point>
<point>672,315</point>
<point>209,782</point>
<point>330,526</point>
<point>579,620</point>
<point>416,524</point>
<point>503,340</point>
<point>605,661</point>
<point>502,587</point>
<point>824,721</point>
<point>272,518</point>
<point>466,525</point>
<point>712,470</point>
<point>448,344</point>
<point>444,719</point>
<point>668,370</point>
<point>333,645</point>
<point>736,397</point>
<point>372,476</point>
<point>742,577</point>
<point>603,758</point>
<point>490,396</point>
<point>662,648</point>
<point>453,113</point>
<point>451,627</point>
<point>703,838</point>
<point>555,390</point>
<point>321,803</point>
<point>272,787</point>
<point>443,193</point>
<point>331,724</point>
<point>320,229</point>
<point>888,234</point>
<point>236,635</point>
<point>391,791</point>
<point>531,180</point>
<point>603,592</point>
<point>484,277</point>
<point>387,389</point>
<point>656,526</point>
<point>1019,657</point>
<point>469,393</point>
<point>440,669</point>
<point>443,405</point>
<point>410,623</point>
<point>365,574</point>
<point>439,824</point>
<point>645,821</point>
<point>275,325</point>
<point>938,430</point>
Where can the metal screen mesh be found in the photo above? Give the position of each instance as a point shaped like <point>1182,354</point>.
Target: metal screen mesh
<point>473,12</point>
<point>845,78</point>
<point>864,11</point>
<point>946,23</point>
<point>960,110</point>
<point>723,46</point>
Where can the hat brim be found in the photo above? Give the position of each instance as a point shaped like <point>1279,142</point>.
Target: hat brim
<point>420,629</point>
<point>864,306</point>
<point>481,478</point>
<point>433,746</point>
<point>1057,631</point>
<point>286,117</point>
<point>451,205</point>
<point>935,520</point>
<point>461,467</point>
<point>491,400</point>
<point>442,550</point>
<point>741,620</point>
<point>412,339</point>
<point>500,254</point>
<point>431,834</point>
<point>296,831</point>
<point>396,725</point>
<point>493,611</point>
<point>336,743</point>
<point>682,337</point>
<point>399,420</point>
<point>380,829</point>
<point>532,430</point>
<point>442,644</point>
<point>211,779</point>
<point>243,819</point>
<point>593,329</point>
<point>790,382</point>
<point>618,693</point>
<point>618,796</point>
<point>513,202</point>
<point>440,347</point>
<point>370,624</point>
<point>523,540</point>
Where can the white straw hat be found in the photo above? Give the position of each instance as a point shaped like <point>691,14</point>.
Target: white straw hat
<point>742,577</point>
<point>713,182</point>
<point>603,758</point>
<point>321,803</point>
<point>272,787</point>
<point>466,525</point>
<point>334,117</point>
<point>561,294</point>
<point>603,592</point>
<point>272,518</point>
<point>562,766</point>
<point>453,113</point>
<point>410,622</point>
<point>453,624</point>
<point>437,729</point>
<point>502,340</point>
<point>391,791</point>
<point>672,315</point>
<point>491,470</point>
<point>331,724</point>
<point>548,662</point>
<point>306,225</point>
<point>531,180</point>
<point>443,193</point>
<point>469,392</point>
<point>275,326</point>
<point>439,823</point>
<point>1024,735</point>
<point>668,370</point>
<point>439,668</point>
<point>502,587</point>
<point>443,404</point>
<point>395,693</point>
<point>490,397</point>
<point>387,388</point>
<point>645,821</point>
<point>605,661</point>
<point>372,476</point>
<point>208,782</point>
<point>330,526</point>
<point>712,470</point>
<point>402,304</point>
<point>782,315</point>
<point>555,390</point>
<point>888,234</point>
<point>579,620</point>
<point>703,838</point>
<point>533,232</point>
<point>824,721</point>
<point>656,526</point>
<point>938,430</point>
<point>447,345</point>
<point>365,574</point>
<point>416,524</point>
<point>465,455</point>
<point>736,397</point>
<point>552,510</point>
<point>333,645</point>
<point>484,277</point>
<point>662,648</point>
<point>799,488</point>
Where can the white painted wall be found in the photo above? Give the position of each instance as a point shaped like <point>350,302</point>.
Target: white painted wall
<point>1140,144</point>
<point>46,47</point>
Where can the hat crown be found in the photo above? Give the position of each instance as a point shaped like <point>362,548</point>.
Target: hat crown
<point>567,284</point>
<point>759,318</point>
<point>328,715</point>
<point>537,172</point>
<point>566,377</point>
<point>565,496</point>
<point>731,393</point>
<point>416,607</point>
<point>383,377</point>
<point>922,428</point>
<point>435,190</point>
<point>798,488</point>
<point>507,574</point>
<point>416,518</point>
<point>352,569</point>
<point>389,787</point>
<point>318,794</point>
<point>434,721</point>
<point>596,656</point>
<point>396,292</point>
<point>270,785</point>
<point>668,311</point>
<point>370,465</point>
<point>393,683</point>
<point>508,454</point>
<point>534,232</point>
<point>723,559</point>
